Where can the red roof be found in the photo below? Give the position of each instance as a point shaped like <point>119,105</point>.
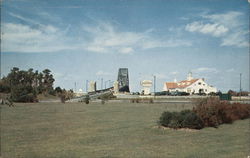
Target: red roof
<point>181,84</point>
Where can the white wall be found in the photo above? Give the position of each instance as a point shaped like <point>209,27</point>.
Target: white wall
<point>200,84</point>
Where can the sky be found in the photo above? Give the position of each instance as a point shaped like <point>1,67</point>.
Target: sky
<point>80,40</point>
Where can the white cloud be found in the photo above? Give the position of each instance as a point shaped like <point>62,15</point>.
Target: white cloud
<point>127,50</point>
<point>23,38</point>
<point>103,37</point>
<point>106,38</point>
<point>230,27</point>
<point>94,48</point>
<point>230,19</point>
<point>230,70</point>
<point>49,17</point>
<point>47,28</point>
<point>161,76</point>
<point>23,18</point>
<point>214,29</point>
<point>104,34</point>
<point>103,73</point>
<point>205,70</point>
<point>236,39</point>
<point>174,73</point>
<point>152,43</point>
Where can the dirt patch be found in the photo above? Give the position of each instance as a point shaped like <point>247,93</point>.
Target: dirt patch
<point>178,129</point>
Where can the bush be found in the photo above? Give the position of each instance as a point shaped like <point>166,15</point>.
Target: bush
<point>183,119</point>
<point>165,118</point>
<point>209,112</point>
<point>192,121</point>
<point>86,99</point>
<point>23,93</point>
<point>214,112</point>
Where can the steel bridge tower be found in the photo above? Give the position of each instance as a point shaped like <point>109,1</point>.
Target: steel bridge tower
<point>123,80</point>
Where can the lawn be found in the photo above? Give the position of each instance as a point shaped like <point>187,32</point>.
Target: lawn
<point>77,130</point>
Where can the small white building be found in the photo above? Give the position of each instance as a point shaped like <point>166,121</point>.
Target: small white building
<point>146,84</point>
<point>92,86</point>
<point>79,93</point>
<point>190,86</point>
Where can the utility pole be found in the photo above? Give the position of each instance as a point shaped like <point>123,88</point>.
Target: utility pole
<point>87,82</point>
<point>1,78</point>
<point>154,83</point>
<point>101,82</point>
<point>75,87</point>
<point>240,86</point>
<point>105,84</point>
<point>1,6</point>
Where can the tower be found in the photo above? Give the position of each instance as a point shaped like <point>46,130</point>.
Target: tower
<point>123,80</point>
<point>189,77</point>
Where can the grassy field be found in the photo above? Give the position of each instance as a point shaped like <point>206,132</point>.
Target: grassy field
<point>77,130</point>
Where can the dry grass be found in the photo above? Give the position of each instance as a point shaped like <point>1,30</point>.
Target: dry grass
<point>74,130</point>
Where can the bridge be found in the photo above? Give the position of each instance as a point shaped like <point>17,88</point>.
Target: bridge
<point>98,94</point>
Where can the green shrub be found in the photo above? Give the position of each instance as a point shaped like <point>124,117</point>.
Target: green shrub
<point>183,119</point>
<point>165,118</point>
<point>193,121</point>
<point>86,100</point>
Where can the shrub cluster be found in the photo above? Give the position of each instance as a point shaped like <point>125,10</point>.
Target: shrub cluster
<point>183,119</point>
<point>234,93</point>
<point>214,112</point>
<point>144,100</point>
<point>209,112</point>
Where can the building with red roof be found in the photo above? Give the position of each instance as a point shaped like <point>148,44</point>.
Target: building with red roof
<point>190,86</point>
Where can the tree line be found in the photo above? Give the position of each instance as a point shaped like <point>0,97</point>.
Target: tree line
<point>241,93</point>
<point>25,86</point>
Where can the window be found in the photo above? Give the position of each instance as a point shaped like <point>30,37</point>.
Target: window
<point>199,83</point>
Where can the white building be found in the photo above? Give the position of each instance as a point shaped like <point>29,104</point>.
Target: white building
<point>190,85</point>
<point>146,84</point>
<point>92,86</point>
<point>79,93</point>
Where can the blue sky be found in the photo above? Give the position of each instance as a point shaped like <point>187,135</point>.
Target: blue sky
<point>83,40</point>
